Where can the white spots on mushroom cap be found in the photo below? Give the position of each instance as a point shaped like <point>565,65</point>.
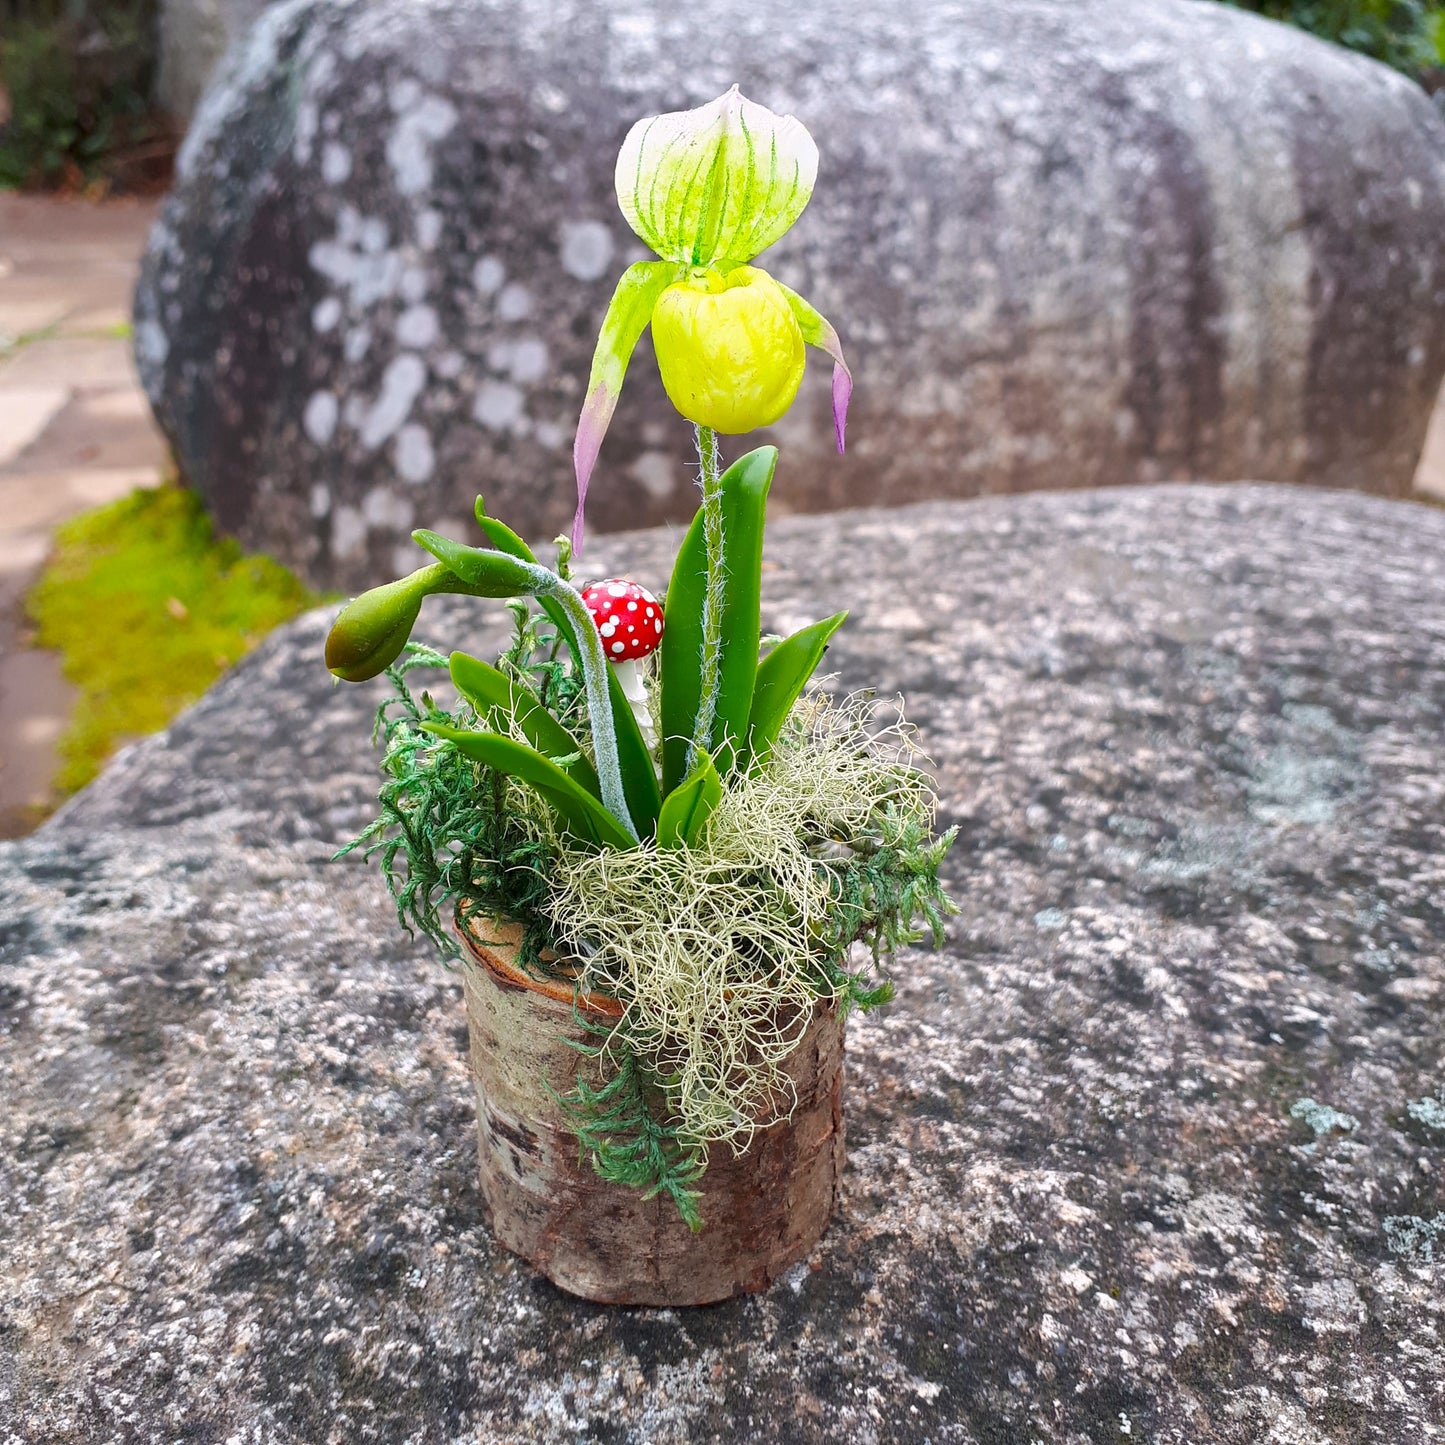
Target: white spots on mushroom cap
<point>617,589</point>
<point>417,327</point>
<point>335,163</point>
<point>499,405</point>
<point>618,646</point>
<point>488,275</point>
<point>422,120</point>
<point>514,303</point>
<point>585,248</point>
<point>320,500</point>
<point>401,384</point>
<point>326,313</point>
<point>656,473</point>
<point>382,508</point>
<point>415,459</point>
<point>348,532</point>
<point>428,228</point>
<point>320,417</point>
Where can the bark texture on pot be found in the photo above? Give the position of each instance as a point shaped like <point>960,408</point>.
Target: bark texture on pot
<point>1067,243</point>
<point>764,1209</point>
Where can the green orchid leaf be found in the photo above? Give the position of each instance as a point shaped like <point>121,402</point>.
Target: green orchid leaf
<point>487,573</point>
<point>576,807</point>
<point>819,331</point>
<point>718,183</point>
<point>492,692</point>
<point>782,676</point>
<point>689,805</point>
<point>627,316</point>
<point>744,487</point>
<point>502,537</point>
<point>634,758</point>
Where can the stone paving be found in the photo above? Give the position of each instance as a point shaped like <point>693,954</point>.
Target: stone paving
<point>75,431</point>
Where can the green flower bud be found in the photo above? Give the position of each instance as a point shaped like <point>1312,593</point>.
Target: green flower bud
<point>369,634</point>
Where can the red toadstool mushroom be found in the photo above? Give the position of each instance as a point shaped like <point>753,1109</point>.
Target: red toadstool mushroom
<point>629,621</point>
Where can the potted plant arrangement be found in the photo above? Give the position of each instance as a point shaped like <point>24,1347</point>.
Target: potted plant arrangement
<point>672,867</point>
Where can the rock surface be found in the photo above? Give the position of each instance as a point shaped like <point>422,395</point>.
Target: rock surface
<point>1066,242</point>
<point>1152,1150</point>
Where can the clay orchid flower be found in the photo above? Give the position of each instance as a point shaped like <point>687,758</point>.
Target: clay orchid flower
<point>708,189</point>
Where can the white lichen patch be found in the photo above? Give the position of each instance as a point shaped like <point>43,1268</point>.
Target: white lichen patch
<point>656,473</point>
<point>499,405</point>
<point>335,163</point>
<point>428,228</point>
<point>514,303</point>
<point>401,384</point>
<point>385,511</point>
<point>348,532</point>
<point>417,327</point>
<point>488,275</point>
<point>320,417</point>
<point>585,249</point>
<point>1333,1305</point>
<point>357,260</point>
<point>325,314</point>
<point>422,120</point>
<point>414,456</point>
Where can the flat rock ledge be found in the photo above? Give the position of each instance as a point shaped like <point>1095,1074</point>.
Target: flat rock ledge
<point>1152,1150</point>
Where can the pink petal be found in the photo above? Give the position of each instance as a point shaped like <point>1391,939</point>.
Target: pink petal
<point>591,428</point>
<point>842,393</point>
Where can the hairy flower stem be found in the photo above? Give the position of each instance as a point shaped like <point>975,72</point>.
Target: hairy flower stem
<point>712,532</point>
<point>594,679</point>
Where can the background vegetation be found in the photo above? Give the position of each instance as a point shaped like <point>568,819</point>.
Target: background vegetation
<point>1408,34</point>
<point>147,608</point>
<point>79,76</point>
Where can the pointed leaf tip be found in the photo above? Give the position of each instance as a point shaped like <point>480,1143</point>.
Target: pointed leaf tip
<point>842,394</point>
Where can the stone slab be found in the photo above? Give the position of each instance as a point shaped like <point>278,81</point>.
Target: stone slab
<point>25,412</point>
<point>1132,1158</point>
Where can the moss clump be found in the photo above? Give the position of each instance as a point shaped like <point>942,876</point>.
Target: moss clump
<point>147,608</point>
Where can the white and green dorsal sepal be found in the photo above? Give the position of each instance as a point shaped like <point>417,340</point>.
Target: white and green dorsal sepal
<point>716,184</point>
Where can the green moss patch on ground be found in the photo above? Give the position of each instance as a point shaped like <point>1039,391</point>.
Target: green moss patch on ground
<point>147,608</point>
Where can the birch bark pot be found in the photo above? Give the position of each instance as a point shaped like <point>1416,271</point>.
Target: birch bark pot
<point>764,1209</point>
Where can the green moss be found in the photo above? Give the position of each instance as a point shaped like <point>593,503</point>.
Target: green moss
<point>147,608</point>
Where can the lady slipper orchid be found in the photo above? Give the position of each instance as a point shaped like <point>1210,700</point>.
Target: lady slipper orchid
<point>707,190</point>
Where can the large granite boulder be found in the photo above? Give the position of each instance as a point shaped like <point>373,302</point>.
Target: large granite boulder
<point>1154,1149</point>
<point>1066,242</point>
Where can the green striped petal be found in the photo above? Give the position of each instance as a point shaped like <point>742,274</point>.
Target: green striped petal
<point>715,184</point>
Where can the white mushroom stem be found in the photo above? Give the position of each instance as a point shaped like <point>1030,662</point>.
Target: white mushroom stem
<point>630,677</point>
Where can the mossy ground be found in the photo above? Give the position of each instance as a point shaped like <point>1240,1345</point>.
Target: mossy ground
<point>147,608</point>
